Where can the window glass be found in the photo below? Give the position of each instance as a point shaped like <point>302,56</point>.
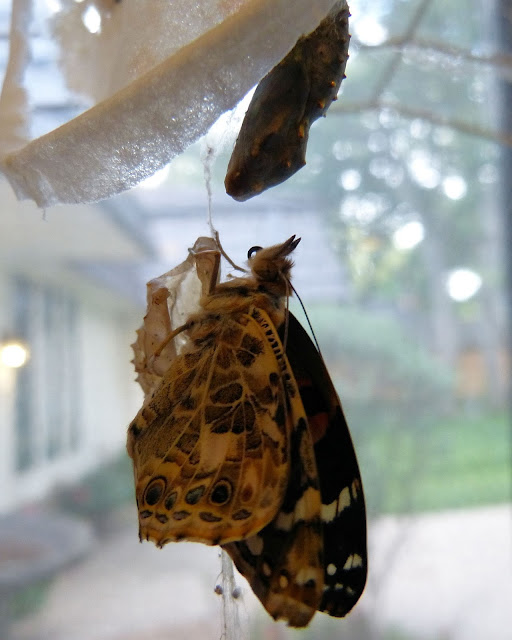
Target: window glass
<point>403,209</point>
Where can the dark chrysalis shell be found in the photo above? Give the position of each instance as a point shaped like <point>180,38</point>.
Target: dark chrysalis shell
<point>271,145</point>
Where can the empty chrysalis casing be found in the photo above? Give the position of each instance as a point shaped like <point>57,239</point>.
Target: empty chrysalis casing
<point>271,145</point>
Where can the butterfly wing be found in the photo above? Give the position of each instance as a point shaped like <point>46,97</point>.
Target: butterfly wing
<point>326,554</point>
<point>210,447</point>
<point>343,507</point>
<point>284,563</point>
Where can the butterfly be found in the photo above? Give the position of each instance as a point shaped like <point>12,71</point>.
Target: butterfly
<point>244,444</point>
<point>271,145</point>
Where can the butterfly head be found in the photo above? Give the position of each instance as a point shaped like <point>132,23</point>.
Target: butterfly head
<point>272,265</point>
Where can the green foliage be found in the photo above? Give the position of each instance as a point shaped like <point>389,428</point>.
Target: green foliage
<point>416,451</point>
<point>393,393</point>
<point>377,368</point>
<point>28,600</point>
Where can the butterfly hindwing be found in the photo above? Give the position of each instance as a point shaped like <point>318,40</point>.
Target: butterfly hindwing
<point>210,447</point>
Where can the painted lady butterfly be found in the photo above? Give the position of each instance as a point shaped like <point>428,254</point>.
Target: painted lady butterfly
<point>271,145</point>
<point>245,445</point>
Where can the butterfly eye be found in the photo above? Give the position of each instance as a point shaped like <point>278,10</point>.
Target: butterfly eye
<point>252,251</point>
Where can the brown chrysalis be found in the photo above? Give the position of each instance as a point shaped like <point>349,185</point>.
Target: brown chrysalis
<point>271,145</point>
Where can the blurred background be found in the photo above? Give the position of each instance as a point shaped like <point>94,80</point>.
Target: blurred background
<point>404,209</point>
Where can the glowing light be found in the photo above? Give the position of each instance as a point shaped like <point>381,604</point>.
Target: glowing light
<point>363,209</point>
<point>13,354</point>
<point>409,235</point>
<point>463,284</point>
<point>91,18</point>
<point>350,179</point>
<point>370,31</point>
<point>454,187</point>
<point>54,6</point>
<point>423,170</point>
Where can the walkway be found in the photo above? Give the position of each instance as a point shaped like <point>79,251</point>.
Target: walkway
<point>442,576</point>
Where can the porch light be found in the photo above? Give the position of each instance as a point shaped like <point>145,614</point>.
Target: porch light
<point>13,353</point>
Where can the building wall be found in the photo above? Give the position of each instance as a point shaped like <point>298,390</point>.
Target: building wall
<point>7,379</point>
<point>67,410</point>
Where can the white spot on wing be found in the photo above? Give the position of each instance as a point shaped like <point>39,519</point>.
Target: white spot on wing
<point>357,560</point>
<point>353,561</point>
<point>331,569</point>
<point>344,499</point>
<point>330,511</point>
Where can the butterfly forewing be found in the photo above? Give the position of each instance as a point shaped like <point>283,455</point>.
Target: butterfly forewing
<point>343,507</point>
<point>210,448</point>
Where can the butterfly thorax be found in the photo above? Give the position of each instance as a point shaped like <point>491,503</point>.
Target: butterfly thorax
<point>266,288</point>
<point>228,299</point>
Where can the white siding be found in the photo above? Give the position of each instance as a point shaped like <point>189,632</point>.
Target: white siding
<point>100,395</point>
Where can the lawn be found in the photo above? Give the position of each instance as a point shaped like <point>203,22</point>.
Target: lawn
<point>462,462</point>
<point>470,463</point>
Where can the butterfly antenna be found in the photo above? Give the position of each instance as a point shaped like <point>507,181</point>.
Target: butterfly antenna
<point>286,322</point>
<point>307,318</point>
